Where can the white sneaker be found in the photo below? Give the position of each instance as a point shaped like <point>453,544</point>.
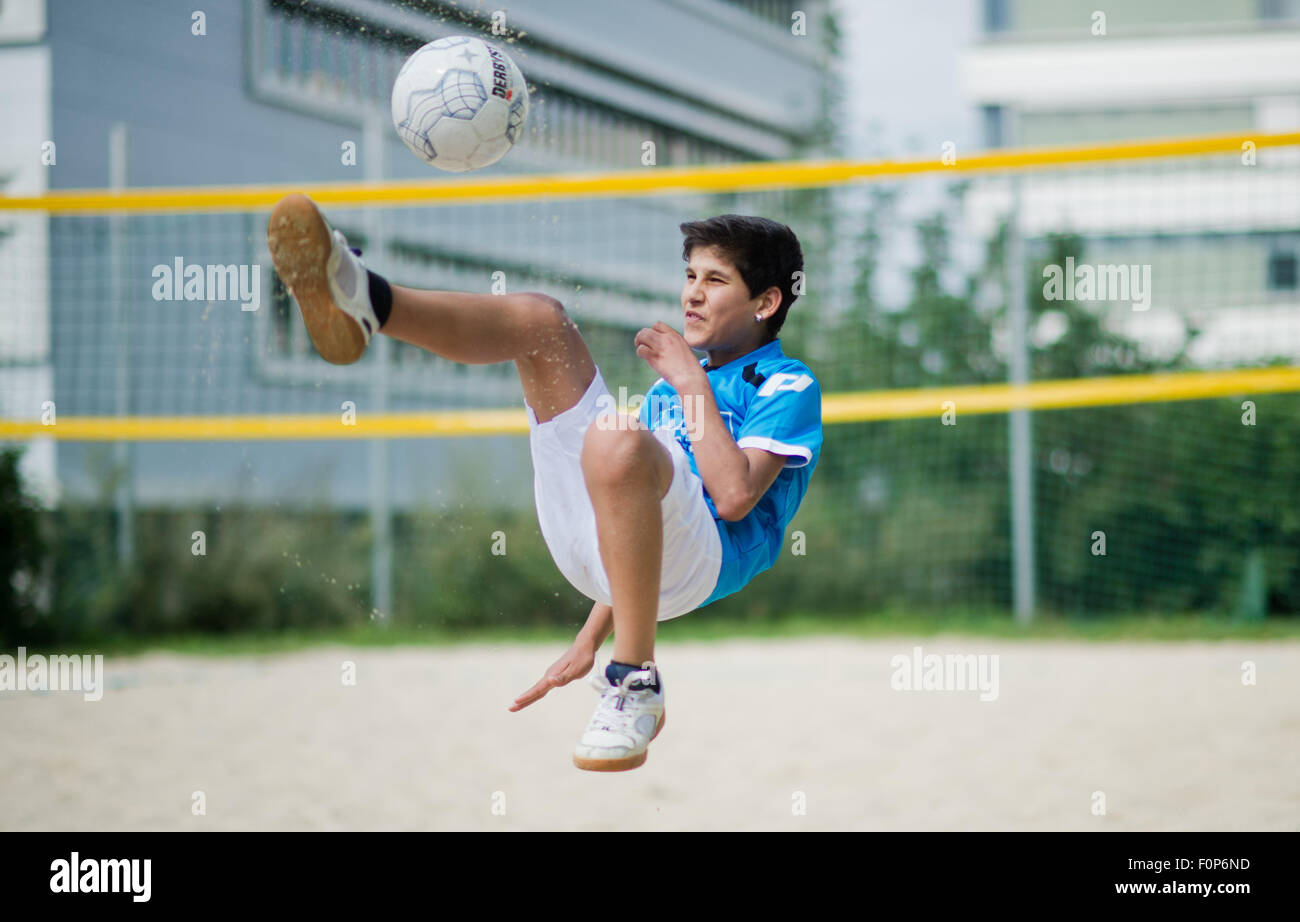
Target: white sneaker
<point>626,720</point>
<point>328,280</point>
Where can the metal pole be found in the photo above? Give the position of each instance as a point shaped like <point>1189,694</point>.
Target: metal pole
<point>122,450</point>
<point>1021,445</point>
<point>381,519</point>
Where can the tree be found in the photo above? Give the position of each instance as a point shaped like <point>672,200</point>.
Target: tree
<point>22,550</point>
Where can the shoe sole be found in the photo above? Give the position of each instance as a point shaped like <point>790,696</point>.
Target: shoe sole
<point>618,765</point>
<point>300,244</point>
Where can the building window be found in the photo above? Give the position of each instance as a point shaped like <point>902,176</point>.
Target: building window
<point>993,118</point>
<point>1279,10</point>
<point>997,17</point>
<point>1282,266</point>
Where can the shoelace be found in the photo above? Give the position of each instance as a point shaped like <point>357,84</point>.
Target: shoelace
<point>611,713</point>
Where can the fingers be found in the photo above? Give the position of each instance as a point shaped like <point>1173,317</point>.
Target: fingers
<point>536,693</point>
<point>546,683</point>
<point>562,672</point>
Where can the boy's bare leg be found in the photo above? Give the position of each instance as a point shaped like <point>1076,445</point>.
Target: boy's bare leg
<point>628,472</point>
<point>532,330</point>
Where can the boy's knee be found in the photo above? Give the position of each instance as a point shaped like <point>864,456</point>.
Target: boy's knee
<point>615,446</point>
<point>542,311</point>
<point>617,451</point>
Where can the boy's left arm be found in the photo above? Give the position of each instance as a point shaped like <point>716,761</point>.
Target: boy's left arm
<point>736,478</point>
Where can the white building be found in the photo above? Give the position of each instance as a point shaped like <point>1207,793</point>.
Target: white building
<point>1222,236</point>
<point>26,364</point>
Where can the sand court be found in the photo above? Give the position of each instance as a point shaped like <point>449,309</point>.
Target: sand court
<point>781,734</point>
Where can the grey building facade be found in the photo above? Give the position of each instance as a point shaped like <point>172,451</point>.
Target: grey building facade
<point>297,93</point>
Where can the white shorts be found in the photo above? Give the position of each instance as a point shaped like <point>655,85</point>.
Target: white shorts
<point>692,550</point>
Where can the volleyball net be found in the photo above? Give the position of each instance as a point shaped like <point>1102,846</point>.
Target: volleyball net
<point>1138,301</point>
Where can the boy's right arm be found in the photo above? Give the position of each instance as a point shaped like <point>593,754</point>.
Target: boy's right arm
<point>577,660</point>
<point>600,623</point>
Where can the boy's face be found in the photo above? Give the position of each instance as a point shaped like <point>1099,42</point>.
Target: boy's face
<point>719,312</point>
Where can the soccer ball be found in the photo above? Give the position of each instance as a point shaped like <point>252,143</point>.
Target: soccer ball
<point>459,103</point>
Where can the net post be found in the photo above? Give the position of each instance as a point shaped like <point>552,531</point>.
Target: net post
<point>122,449</point>
<point>381,517</point>
<point>1020,433</point>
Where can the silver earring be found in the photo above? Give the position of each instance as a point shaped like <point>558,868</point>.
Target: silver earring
<point>758,318</point>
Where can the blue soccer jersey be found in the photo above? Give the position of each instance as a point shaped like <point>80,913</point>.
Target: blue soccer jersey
<point>768,401</point>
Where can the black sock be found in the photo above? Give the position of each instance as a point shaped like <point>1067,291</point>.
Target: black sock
<point>381,297</point>
<point>615,672</point>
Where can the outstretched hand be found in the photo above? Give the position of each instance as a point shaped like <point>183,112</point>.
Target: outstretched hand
<point>574,664</point>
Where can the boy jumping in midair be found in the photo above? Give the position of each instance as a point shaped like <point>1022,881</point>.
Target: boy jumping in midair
<point>650,516</point>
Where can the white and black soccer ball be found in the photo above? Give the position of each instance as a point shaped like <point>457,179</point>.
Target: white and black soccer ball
<point>459,103</point>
